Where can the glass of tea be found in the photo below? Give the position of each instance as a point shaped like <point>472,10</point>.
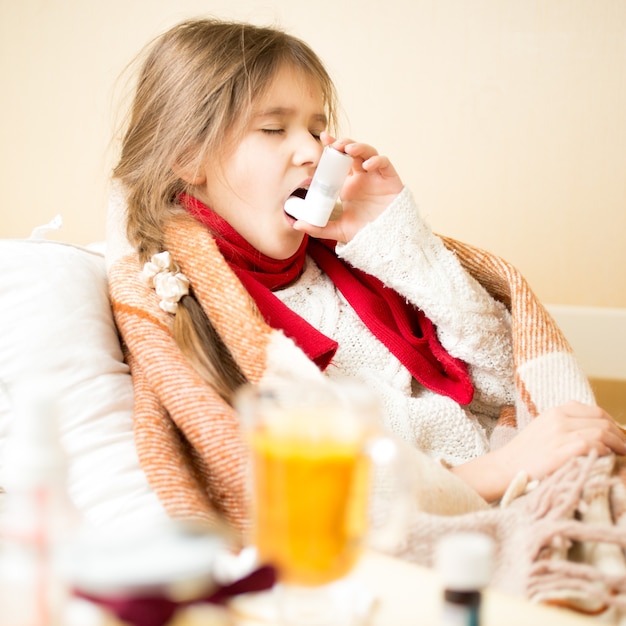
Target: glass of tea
<point>318,463</point>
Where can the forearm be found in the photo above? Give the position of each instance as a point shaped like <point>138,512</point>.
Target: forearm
<point>487,475</point>
<point>400,249</point>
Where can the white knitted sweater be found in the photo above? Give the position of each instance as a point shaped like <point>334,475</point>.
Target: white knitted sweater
<point>400,249</point>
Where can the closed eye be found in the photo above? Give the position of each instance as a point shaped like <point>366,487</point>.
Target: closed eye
<point>273,131</point>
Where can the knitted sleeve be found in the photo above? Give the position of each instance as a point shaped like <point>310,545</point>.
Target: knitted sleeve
<point>400,249</point>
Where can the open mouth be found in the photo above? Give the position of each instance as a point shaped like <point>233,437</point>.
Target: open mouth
<point>299,193</point>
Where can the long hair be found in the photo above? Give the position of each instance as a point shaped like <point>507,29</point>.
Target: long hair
<point>195,91</point>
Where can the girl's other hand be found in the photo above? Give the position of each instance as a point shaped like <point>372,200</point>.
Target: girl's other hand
<point>557,435</point>
<point>371,186</point>
<point>547,443</point>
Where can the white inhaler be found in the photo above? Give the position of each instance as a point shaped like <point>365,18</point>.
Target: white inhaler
<point>324,190</point>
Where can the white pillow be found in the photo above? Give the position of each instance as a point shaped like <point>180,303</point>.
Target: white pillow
<point>56,325</point>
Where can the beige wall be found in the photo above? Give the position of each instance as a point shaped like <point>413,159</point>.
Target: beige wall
<point>506,117</point>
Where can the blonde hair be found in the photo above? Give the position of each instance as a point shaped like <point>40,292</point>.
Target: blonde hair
<point>195,91</point>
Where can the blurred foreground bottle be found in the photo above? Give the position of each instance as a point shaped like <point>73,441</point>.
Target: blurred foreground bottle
<point>464,562</point>
<point>36,515</point>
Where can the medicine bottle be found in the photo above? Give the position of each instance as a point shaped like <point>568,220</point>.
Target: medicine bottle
<point>36,516</point>
<point>464,564</point>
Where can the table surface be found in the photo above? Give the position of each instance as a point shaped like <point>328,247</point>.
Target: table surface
<point>410,595</point>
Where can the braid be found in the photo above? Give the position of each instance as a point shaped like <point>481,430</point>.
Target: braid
<point>205,349</point>
<point>196,336</point>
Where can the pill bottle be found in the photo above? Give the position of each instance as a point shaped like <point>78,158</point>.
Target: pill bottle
<point>464,564</point>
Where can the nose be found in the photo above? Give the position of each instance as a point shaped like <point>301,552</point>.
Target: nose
<point>307,151</point>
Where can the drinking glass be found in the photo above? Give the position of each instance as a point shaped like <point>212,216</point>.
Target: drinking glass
<point>316,452</point>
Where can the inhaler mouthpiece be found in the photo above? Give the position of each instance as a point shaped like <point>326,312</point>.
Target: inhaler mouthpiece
<point>324,190</point>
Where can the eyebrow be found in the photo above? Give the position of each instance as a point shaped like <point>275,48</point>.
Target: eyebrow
<point>287,112</point>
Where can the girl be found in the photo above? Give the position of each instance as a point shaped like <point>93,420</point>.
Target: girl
<point>228,121</point>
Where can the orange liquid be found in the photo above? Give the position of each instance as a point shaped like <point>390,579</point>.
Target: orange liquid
<point>310,507</point>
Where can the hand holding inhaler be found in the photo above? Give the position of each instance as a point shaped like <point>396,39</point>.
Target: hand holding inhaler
<point>323,193</point>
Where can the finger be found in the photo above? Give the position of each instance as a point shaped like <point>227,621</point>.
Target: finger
<point>604,429</point>
<point>341,143</point>
<point>360,150</point>
<point>579,409</point>
<point>575,415</point>
<point>616,440</point>
<point>579,446</point>
<point>603,439</point>
<point>326,138</point>
<point>379,163</point>
<point>617,445</point>
<point>330,231</point>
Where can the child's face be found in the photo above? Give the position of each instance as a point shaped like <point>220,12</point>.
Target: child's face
<point>277,154</point>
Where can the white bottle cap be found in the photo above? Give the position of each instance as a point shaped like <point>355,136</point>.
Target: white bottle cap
<point>464,561</point>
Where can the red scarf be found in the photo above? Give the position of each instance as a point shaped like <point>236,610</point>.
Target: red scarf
<point>400,326</point>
